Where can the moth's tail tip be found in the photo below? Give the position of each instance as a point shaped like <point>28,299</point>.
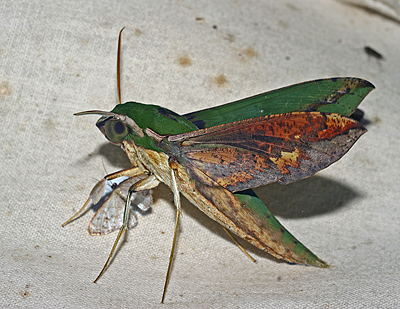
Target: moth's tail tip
<point>321,264</point>
<point>316,262</point>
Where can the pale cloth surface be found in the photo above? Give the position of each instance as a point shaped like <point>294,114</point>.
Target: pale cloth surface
<point>58,58</point>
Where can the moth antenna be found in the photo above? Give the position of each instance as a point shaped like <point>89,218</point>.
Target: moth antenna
<point>119,66</point>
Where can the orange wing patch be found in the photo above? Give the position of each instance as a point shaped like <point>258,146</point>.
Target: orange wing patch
<point>287,159</point>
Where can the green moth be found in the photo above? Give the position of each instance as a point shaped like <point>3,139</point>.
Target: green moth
<point>214,157</point>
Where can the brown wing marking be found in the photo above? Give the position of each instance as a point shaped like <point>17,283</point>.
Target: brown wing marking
<point>255,152</point>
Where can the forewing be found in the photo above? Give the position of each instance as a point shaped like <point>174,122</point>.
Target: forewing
<point>255,152</point>
<point>339,95</point>
<point>109,217</point>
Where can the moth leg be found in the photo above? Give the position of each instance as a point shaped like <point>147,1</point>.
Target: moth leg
<point>239,245</point>
<point>98,190</point>
<point>144,184</point>
<point>130,172</point>
<point>177,201</point>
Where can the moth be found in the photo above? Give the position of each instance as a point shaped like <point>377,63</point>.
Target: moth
<point>214,157</point>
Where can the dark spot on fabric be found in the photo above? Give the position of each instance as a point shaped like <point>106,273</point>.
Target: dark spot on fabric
<point>372,52</point>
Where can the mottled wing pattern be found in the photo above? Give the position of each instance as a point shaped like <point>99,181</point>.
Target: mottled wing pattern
<point>254,152</point>
<point>109,216</point>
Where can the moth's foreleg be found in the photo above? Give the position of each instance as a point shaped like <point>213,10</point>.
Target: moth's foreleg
<point>98,190</point>
<point>130,172</point>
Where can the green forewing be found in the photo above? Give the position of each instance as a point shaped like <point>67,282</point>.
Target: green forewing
<point>333,95</point>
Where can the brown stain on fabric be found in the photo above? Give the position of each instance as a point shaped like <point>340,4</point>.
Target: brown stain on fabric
<point>220,80</point>
<point>5,89</point>
<point>185,61</point>
<point>248,54</point>
<point>50,124</point>
<point>137,32</point>
<point>230,37</point>
<point>25,294</point>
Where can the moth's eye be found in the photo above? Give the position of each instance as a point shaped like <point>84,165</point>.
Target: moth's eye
<point>116,131</point>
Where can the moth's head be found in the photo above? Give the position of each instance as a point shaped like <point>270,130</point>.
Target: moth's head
<point>115,127</point>
<point>141,124</point>
<point>131,119</point>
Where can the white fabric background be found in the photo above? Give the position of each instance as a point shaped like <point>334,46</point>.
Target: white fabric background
<point>58,57</point>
